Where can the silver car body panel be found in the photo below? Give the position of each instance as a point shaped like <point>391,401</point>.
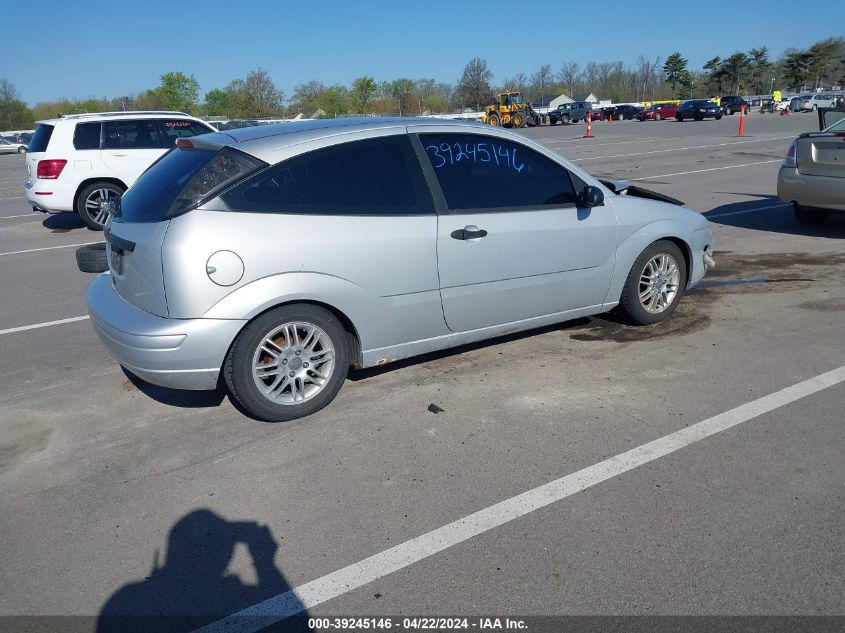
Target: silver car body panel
<point>402,283</point>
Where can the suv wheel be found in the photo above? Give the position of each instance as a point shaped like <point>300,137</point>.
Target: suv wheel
<point>728,110</point>
<point>655,284</point>
<point>288,363</point>
<point>96,202</point>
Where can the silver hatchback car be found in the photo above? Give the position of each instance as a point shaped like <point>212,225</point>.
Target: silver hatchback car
<point>278,257</point>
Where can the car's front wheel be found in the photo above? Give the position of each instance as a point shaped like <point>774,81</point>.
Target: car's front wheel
<point>96,203</point>
<point>655,284</point>
<point>288,363</point>
<point>21,150</point>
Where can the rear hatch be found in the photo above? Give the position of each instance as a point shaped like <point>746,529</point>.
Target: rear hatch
<point>178,182</point>
<point>821,154</point>
<point>36,149</point>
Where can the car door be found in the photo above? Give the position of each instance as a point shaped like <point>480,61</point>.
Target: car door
<point>512,243</point>
<point>129,147</point>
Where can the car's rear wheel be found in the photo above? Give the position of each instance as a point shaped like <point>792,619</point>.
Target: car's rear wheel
<point>680,117</point>
<point>21,150</point>
<point>657,116</point>
<point>96,203</point>
<point>655,284</point>
<point>288,363</point>
<point>621,117</point>
<point>494,120</point>
<point>811,217</point>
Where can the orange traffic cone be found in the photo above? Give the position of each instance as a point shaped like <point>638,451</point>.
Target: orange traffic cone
<point>610,118</point>
<point>742,121</point>
<point>589,133</point>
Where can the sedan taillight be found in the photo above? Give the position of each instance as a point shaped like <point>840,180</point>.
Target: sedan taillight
<point>50,169</point>
<point>789,159</point>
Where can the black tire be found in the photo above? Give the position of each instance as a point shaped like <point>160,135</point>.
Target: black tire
<point>621,117</point>
<point>552,121</point>
<point>680,117</point>
<point>630,304</point>
<point>698,116</point>
<point>21,150</point>
<point>238,371</point>
<point>518,120</point>
<point>92,258</point>
<point>494,120</point>
<point>810,217</point>
<point>729,111</point>
<point>89,215</point>
<point>565,119</point>
<point>718,116</point>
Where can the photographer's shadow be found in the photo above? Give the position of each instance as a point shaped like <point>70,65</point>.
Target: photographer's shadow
<point>192,588</point>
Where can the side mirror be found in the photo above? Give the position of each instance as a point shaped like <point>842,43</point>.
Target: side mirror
<point>590,197</point>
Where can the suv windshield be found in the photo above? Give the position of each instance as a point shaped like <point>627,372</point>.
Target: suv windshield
<point>41,138</point>
<point>180,180</point>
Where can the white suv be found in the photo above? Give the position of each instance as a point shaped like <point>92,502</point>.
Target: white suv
<point>84,162</point>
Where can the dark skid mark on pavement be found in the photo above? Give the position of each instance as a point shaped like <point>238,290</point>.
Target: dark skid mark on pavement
<point>734,274</point>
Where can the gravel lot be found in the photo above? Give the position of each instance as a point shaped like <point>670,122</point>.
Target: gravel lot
<point>96,469</point>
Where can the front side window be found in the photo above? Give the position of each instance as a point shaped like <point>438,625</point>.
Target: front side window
<point>378,176</point>
<point>479,172</point>
<point>140,134</point>
<point>172,129</point>
<point>86,136</point>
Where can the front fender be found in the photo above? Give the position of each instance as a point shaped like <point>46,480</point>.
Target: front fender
<point>636,242</point>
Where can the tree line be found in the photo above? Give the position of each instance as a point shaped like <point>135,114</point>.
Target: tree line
<point>257,96</point>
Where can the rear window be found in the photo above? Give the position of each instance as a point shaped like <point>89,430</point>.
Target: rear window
<point>181,180</point>
<point>172,129</point>
<point>86,136</point>
<point>41,138</point>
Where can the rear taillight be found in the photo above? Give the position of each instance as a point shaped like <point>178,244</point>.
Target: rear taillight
<point>789,159</point>
<point>50,169</point>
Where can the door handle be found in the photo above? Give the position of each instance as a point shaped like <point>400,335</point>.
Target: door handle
<point>119,155</point>
<point>468,233</point>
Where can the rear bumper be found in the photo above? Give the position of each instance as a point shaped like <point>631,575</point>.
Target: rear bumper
<point>822,192</point>
<point>52,196</point>
<point>175,353</point>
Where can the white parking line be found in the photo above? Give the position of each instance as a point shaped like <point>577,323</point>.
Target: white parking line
<point>727,213</point>
<point>344,580</point>
<point>13,198</point>
<point>25,215</point>
<point>35,326</point>
<point>681,149</point>
<point>49,248</point>
<point>698,171</point>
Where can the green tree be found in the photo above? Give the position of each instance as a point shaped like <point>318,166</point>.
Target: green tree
<point>826,59</point>
<point>264,97</point>
<point>760,69</point>
<point>474,84</point>
<point>334,101</point>
<point>14,113</point>
<point>216,102</point>
<point>735,68</point>
<point>715,75</point>
<point>177,91</point>
<point>796,69</point>
<point>362,93</point>
<point>673,70</point>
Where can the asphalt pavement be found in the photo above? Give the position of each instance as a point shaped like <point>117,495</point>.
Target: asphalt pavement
<point>104,479</point>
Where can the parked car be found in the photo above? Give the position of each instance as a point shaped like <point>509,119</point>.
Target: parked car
<point>622,112</point>
<point>783,104</point>
<point>698,109</point>
<point>812,175</point>
<point>733,104</point>
<point>815,101</point>
<point>570,112</point>
<point>657,112</point>
<point>260,254</point>
<point>11,147</point>
<point>84,162</point>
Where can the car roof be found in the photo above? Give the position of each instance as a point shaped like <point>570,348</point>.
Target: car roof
<point>123,115</point>
<point>266,141</point>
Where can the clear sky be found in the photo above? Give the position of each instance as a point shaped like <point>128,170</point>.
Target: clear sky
<point>52,49</point>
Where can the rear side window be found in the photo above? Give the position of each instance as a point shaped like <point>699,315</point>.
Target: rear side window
<point>86,136</point>
<point>41,138</point>
<point>172,129</point>
<point>479,172</point>
<point>140,134</point>
<point>371,177</point>
<point>181,180</point>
